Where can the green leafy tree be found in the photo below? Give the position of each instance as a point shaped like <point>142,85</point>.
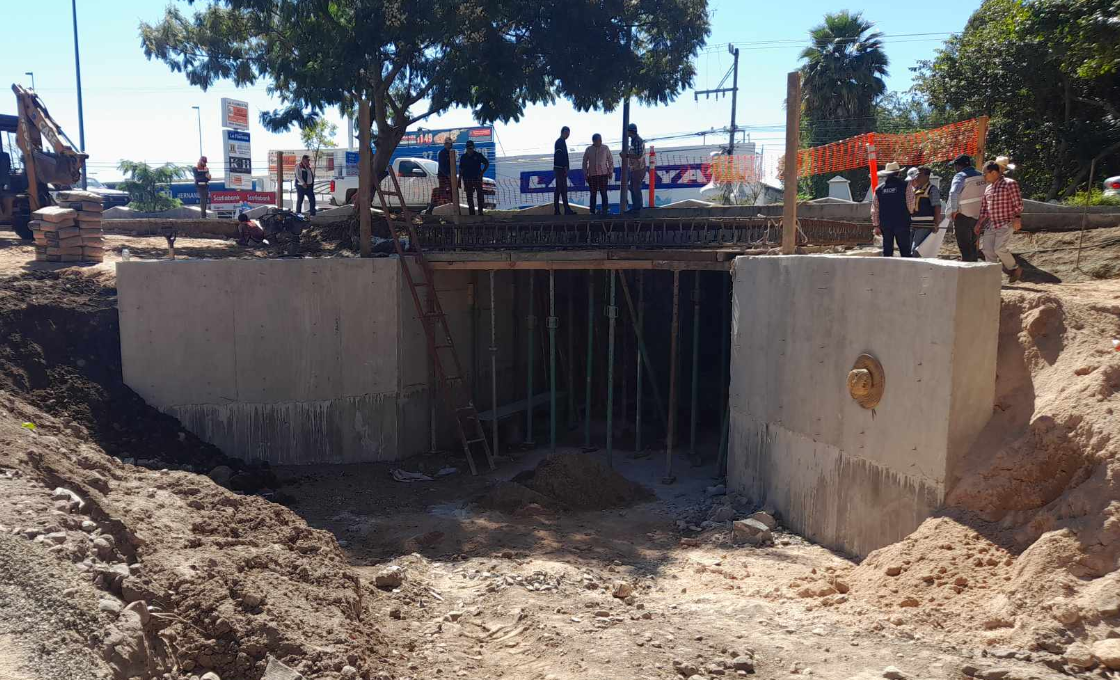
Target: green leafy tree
<point>149,188</point>
<point>1051,98</point>
<point>412,60</point>
<point>841,79</point>
<point>317,135</point>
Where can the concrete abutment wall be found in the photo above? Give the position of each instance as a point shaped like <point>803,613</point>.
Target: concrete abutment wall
<point>851,478</point>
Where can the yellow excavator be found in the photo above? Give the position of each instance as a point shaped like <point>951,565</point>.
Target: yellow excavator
<point>26,188</point>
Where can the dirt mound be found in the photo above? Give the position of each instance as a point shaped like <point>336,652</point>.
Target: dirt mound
<point>580,482</point>
<point>234,578</point>
<point>1030,545</point>
<point>60,351</point>
<point>510,497</point>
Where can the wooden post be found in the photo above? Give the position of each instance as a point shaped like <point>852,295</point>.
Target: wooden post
<point>981,141</point>
<point>454,177</point>
<point>280,179</point>
<point>793,125</point>
<point>365,176</point>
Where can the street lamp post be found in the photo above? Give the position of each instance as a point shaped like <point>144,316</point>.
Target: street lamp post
<point>78,75</point>
<point>199,112</point>
<point>32,74</point>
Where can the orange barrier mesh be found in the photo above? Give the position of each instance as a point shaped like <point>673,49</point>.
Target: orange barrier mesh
<point>916,148</point>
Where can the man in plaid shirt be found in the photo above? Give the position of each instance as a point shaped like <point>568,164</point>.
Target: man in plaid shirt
<point>999,218</point>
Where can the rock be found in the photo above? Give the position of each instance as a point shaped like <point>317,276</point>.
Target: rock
<point>141,610</point>
<point>750,531</point>
<point>389,578</point>
<point>623,590</point>
<point>690,542</point>
<point>722,513</point>
<point>1108,652</point>
<point>1109,606</point>
<point>252,600</point>
<point>109,605</point>
<point>453,616</point>
<point>717,490</point>
<point>88,525</point>
<point>994,673</point>
<point>685,668</point>
<point>125,647</point>
<point>1079,656</point>
<point>909,602</point>
<point>133,589</point>
<point>278,671</point>
<point>56,537</point>
<point>102,547</point>
<point>349,672</point>
<point>765,518</point>
<point>893,570</point>
<point>395,613</point>
<point>221,474</point>
<point>743,663</point>
<point>892,673</point>
<point>211,676</point>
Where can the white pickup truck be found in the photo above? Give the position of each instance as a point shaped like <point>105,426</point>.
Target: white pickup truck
<point>419,185</point>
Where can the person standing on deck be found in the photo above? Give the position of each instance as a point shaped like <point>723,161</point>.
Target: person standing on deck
<point>598,166</point>
<point>471,168</point>
<point>560,167</point>
<point>634,162</point>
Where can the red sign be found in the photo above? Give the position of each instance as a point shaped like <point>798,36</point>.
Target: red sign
<point>234,198</point>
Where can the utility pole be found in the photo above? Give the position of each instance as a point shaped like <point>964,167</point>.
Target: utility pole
<point>793,128</point>
<point>733,73</point>
<point>78,74</point>
<point>199,112</point>
<point>624,171</point>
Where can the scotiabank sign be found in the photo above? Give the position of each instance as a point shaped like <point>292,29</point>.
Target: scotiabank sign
<point>234,198</point>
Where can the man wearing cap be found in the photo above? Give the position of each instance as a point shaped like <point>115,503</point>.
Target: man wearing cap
<point>1000,212</point>
<point>925,207</point>
<point>890,211</point>
<point>635,163</point>
<point>560,168</point>
<point>965,195</point>
<point>471,167</point>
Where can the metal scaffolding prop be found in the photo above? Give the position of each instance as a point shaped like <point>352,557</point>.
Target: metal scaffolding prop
<point>661,232</point>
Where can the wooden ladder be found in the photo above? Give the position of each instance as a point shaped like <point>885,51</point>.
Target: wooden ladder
<point>454,387</point>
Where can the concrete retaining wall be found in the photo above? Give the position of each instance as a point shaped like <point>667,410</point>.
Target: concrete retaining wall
<point>290,361</point>
<point>851,478</point>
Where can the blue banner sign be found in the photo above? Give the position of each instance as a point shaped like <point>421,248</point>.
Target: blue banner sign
<point>686,176</point>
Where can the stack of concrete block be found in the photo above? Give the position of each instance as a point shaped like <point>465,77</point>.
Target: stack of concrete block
<point>57,236</point>
<point>88,206</point>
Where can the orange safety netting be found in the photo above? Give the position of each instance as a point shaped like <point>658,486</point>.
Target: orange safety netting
<point>916,148</point>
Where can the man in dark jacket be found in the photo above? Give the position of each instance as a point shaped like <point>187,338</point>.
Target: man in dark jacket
<point>560,168</point>
<point>202,184</point>
<point>443,174</point>
<point>471,168</point>
<point>890,212</point>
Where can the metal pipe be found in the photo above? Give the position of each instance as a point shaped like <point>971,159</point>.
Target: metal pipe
<point>572,418</point>
<point>671,416</point>
<point>494,362</point>
<point>530,323</point>
<point>721,463</point>
<point>552,322</point>
<point>695,365</point>
<point>638,364</point>
<point>725,344</point>
<point>642,349</point>
<point>612,314</point>
<point>590,361</point>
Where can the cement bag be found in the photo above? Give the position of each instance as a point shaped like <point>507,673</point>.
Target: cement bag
<point>932,245</point>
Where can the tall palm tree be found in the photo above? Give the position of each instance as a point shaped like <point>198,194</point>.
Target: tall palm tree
<point>841,79</point>
<point>844,69</point>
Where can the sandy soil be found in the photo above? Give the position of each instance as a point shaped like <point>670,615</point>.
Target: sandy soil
<point>1017,580</point>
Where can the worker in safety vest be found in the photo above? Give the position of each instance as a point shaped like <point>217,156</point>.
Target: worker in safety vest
<point>925,208</point>
<point>890,211</point>
<point>965,196</point>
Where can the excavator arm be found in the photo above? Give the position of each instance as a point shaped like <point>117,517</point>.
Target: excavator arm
<point>60,164</point>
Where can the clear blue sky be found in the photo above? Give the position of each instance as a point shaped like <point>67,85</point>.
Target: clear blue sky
<point>140,110</point>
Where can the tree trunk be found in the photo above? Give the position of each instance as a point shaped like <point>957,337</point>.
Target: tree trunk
<point>365,229</point>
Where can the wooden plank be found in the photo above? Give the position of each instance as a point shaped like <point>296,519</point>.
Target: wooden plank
<point>793,123</point>
<point>666,265</point>
<point>518,406</point>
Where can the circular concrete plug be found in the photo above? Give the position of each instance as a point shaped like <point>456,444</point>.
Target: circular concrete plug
<point>866,382</point>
